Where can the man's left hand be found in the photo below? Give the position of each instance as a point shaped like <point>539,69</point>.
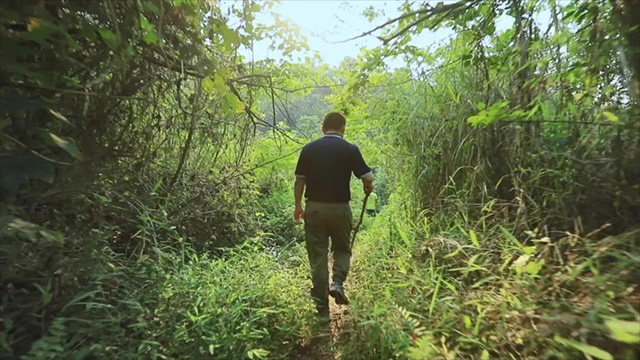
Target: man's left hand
<point>298,214</point>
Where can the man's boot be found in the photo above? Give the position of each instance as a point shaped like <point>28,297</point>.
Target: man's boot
<point>322,312</point>
<point>323,315</point>
<point>337,292</point>
<point>322,308</point>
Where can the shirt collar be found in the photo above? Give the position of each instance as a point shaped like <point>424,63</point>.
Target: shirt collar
<point>331,134</point>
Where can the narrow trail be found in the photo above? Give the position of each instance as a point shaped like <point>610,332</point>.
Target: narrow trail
<point>324,341</point>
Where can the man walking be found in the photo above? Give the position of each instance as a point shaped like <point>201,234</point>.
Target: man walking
<point>324,168</point>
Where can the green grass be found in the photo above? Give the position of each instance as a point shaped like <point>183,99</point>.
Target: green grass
<point>458,294</point>
<point>420,288</point>
<point>249,304</point>
<point>245,304</point>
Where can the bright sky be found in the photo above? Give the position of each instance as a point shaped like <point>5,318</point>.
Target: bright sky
<point>325,22</point>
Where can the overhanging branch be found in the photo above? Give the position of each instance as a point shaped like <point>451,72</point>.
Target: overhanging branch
<point>428,12</point>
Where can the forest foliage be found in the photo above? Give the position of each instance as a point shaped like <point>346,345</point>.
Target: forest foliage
<point>146,170</point>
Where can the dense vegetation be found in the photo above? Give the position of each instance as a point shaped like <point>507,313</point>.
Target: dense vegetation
<point>146,172</point>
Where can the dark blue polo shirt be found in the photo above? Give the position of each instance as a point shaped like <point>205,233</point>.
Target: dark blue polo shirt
<point>326,165</point>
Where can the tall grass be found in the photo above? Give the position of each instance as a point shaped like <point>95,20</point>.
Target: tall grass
<point>244,304</point>
<point>248,304</point>
<point>459,292</point>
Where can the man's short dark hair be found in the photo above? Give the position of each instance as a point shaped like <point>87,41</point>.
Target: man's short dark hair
<point>334,121</point>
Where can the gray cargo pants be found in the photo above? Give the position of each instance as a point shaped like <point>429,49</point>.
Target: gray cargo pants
<point>321,221</point>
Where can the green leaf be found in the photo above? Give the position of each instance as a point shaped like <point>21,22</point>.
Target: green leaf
<point>545,111</point>
<point>585,348</point>
<point>632,327</point>
<point>533,111</point>
<point>452,93</point>
<point>624,337</point>
<point>450,286</point>
<point>71,42</point>
<point>232,103</point>
<point>257,353</point>
<point>624,331</point>
<point>453,253</point>
<point>156,186</point>
<point>30,231</point>
<point>144,23</point>
<point>534,267</point>
<point>109,37</point>
<point>403,234</point>
<point>59,116</point>
<point>510,236</point>
<point>25,229</point>
<point>422,349</point>
<point>484,355</point>
<point>208,84</point>
<point>53,237</point>
<point>39,30</point>
<point>230,38</point>
<point>150,6</point>
<point>467,323</point>
<point>435,294</point>
<point>129,51</point>
<point>476,120</point>
<point>150,37</point>
<point>520,263</point>
<point>474,238</point>
<point>218,83</point>
<point>66,146</point>
<point>499,105</point>
<point>610,116</point>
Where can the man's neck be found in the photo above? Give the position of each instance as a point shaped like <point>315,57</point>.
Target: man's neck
<point>331,134</point>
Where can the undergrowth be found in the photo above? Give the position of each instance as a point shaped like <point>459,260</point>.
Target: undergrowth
<point>249,304</point>
<point>244,304</point>
<point>425,292</point>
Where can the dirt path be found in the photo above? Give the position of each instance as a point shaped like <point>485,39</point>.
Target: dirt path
<point>324,341</point>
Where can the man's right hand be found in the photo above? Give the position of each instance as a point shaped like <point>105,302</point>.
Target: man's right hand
<point>367,184</point>
<point>298,214</point>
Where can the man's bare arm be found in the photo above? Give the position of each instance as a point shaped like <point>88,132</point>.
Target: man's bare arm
<point>298,190</point>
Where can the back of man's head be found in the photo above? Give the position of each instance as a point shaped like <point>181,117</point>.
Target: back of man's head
<point>333,121</point>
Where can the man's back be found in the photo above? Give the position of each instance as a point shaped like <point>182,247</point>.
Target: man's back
<point>326,165</point>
